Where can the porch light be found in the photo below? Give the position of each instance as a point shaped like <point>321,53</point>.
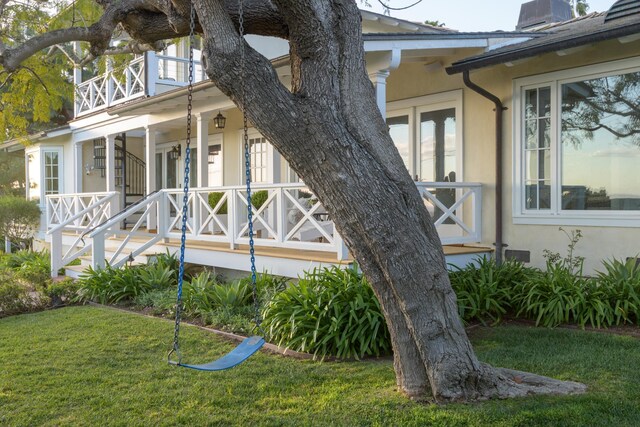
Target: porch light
<point>219,121</point>
<point>176,152</point>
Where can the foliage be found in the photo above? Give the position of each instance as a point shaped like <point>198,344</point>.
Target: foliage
<point>161,302</point>
<point>32,266</point>
<point>622,281</point>
<point>62,291</point>
<point>15,297</point>
<point>110,285</point>
<point>158,276</point>
<point>12,174</point>
<point>571,262</point>
<point>202,294</point>
<point>329,311</point>
<point>214,198</point>
<point>167,260</point>
<point>484,292</point>
<point>19,218</point>
<point>258,198</point>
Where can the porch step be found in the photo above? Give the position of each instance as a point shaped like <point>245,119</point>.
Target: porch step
<point>461,255</point>
<point>74,271</point>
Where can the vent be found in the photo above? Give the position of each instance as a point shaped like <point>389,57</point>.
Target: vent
<point>622,8</point>
<point>522,256</point>
<point>541,12</point>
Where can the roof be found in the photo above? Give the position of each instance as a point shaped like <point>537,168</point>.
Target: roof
<point>554,37</point>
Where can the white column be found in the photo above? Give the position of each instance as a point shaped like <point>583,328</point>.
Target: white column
<point>110,171</point>
<point>379,80</point>
<point>27,178</point>
<point>78,167</point>
<point>150,171</point>
<point>202,144</point>
<point>77,74</point>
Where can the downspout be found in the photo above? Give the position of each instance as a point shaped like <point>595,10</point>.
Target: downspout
<point>498,207</point>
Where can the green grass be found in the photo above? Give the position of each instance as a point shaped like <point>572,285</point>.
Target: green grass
<point>87,366</point>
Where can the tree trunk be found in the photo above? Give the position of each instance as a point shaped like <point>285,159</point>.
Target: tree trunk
<point>329,128</point>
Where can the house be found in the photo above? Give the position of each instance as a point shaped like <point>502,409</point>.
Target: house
<point>110,182</point>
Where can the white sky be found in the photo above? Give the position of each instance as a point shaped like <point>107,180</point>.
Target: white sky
<point>469,15</point>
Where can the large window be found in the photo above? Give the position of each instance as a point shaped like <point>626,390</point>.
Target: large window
<point>52,167</point>
<point>427,131</point>
<point>579,146</point>
<point>259,158</point>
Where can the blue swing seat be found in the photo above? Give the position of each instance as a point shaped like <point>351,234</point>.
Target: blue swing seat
<point>235,357</point>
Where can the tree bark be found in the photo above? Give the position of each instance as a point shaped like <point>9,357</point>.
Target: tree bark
<point>330,130</point>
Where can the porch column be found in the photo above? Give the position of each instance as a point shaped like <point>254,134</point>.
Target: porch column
<point>27,177</point>
<point>78,167</point>
<point>150,171</point>
<point>379,80</point>
<point>110,170</point>
<point>202,144</point>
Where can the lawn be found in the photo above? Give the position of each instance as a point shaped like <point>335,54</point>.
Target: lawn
<point>94,366</point>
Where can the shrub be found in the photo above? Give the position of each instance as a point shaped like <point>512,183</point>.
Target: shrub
<point>485,291</point>
<point>19,218</point>
<point>328,312</point>
<point>158,276</point>
<point>32,266</point>
<point>197,294</point>
<point>16,297</point>
<point>258,198</point>
<point>62,291</point>
<point>110,285</point>
<point>552,297</point>
<point>159,301</point>
<point>214,198</point>
<point>622,282</point>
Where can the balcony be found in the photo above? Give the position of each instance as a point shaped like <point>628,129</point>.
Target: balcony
<point>146,75</point>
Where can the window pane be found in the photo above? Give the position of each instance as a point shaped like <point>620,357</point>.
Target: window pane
<point>544,102</point>
<point>530,103</point>
<point>531,165</point>
<point>601,143</point>
<point>531,196</point>
<point>399,131</point>
<point>438,145</point>
<point>531,133</point>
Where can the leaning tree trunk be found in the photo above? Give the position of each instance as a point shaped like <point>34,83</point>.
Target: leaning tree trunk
<point>329,128</point>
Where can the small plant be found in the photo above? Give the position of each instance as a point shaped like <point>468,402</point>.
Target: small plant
<point>110,285</point>
<point>161,302</point>
<point>622,282</point>
<point>158,276</point>
<point>571,262</point>
<point>62,291</point>
<point>258,198</point>
<point>16,297</point>
<point>197,294</point>
<point>485,291</point>
<point>328,312</point>
<point>214,199</point>
<point>19,218</point>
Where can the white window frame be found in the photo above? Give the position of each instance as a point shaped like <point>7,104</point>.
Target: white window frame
<point>555,215</point>
<point>421,104</point>
<point>43,156</point>
<point>253,133</point>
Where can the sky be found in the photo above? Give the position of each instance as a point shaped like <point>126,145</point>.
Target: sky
<point>469,15</point>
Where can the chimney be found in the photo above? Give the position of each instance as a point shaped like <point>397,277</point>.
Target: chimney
<point>537,13</point>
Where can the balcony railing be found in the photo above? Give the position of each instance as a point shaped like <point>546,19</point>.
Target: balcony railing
<point>146,75</point>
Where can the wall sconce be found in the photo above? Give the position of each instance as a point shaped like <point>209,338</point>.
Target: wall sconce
<point>176,152</point>
<point>219,121</point>
<point>88,168</point>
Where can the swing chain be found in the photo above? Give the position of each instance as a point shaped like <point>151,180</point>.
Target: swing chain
<point>185,199</point>
<point>247,165</point>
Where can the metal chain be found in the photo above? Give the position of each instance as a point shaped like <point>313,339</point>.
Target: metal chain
<point>185,198</point>
<point>247,165</point>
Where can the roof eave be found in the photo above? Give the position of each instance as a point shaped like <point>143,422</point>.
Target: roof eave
<point>530,51</point>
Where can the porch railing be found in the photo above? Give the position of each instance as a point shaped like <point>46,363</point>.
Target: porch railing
<point>74,213</point>
<point>290,217</point>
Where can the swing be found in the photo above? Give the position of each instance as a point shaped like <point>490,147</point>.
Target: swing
<point>251,344</point>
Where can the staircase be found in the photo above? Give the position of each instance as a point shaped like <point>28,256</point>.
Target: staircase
<point>129,172</point>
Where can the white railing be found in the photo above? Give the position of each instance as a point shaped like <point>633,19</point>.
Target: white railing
<point>112,88</point>
<point>76,213</point>
<point>289,217</point>
<point>174,71</point>
<point>133,241</point>
<point>456,208</point>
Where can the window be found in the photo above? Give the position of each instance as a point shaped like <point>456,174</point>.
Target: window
<point>52,165</point>
<point>578,141</point>
<point>259,158</point>
<point>427,131</point>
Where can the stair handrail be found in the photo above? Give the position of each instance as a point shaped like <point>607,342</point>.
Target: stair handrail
<point>83,212</point>
<point>114,219</point>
